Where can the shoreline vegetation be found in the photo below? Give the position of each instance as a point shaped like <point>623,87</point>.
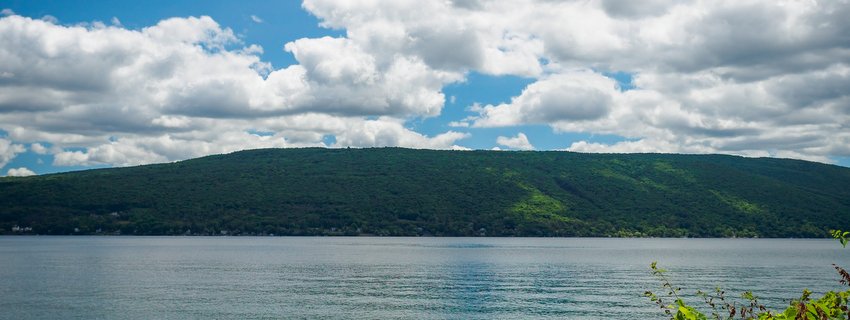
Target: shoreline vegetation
<point>833,305</point>
<point>407,192</point>
<point>117,234</point>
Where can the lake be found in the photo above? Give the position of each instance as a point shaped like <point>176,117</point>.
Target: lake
<point>391,278</point>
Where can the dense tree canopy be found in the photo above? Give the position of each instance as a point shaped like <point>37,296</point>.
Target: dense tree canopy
<point>393,191</point>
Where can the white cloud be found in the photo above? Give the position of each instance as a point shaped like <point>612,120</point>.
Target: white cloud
<point>38,148</point>
<point>164,96</point>
<point>519,142</point>
<point>9,151</point>
<point>138,149</point>
<point>458,124</point>
<point>188,86</point>
<point>291,131</point>
<point>389,132</point>
<point>568,96</point>
<point>20,172</point>
<point>256,19</point>
<point>185,88</point>
<point>7,12</point>
<point>697,87</point>
<point>340,77</point>
<point>443,36</point>
<point>638,146</point>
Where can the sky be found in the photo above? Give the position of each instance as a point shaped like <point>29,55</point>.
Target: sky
<point>92,84</point>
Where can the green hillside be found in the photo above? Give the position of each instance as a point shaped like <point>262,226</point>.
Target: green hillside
<point>393,191</point>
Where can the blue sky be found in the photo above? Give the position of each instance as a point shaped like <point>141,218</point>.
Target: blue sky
<point>113,83</point>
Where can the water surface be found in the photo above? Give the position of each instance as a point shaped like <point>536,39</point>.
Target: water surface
<point>403,278</point>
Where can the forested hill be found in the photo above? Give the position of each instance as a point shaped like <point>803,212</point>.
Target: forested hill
<point>393,191</point>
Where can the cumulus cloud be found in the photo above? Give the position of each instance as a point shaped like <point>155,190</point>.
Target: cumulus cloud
<point>256,19</point>
<point>520,142</point>
<point>388,132</point>
<point>188,87</point>
<point>20,172</point>
<point>443,35</point>
<point>697,87</point>
<point>140,150</point>
<point>38,148</point>
<point>764,78</point>
<point>7,12</point>
<point>9,151</point>
<point>569,96</point>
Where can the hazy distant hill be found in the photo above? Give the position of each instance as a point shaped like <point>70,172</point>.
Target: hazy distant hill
<point>393,191</point>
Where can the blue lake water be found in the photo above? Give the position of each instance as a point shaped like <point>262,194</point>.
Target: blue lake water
<point>390,278</point>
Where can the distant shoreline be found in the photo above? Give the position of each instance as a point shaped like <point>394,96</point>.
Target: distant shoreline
<point>376,236</point>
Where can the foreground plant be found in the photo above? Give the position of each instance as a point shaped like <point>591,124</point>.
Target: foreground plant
<point>832,305</point>
<point>841,236</point>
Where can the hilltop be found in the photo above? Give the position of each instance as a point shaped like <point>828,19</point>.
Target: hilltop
<point>394,191</point>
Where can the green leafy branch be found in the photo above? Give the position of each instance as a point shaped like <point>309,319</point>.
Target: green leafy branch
<point>832,306</point>
<point>841,236</point>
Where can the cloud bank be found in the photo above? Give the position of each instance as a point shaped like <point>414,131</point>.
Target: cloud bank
<point>756,78</point>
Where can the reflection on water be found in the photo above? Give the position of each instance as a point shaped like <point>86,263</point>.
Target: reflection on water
<point>408,278</point>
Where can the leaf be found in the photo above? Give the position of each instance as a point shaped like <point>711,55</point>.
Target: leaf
<point>686,312</point>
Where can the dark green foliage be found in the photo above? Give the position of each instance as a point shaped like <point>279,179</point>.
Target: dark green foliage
<point>393,191</point>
